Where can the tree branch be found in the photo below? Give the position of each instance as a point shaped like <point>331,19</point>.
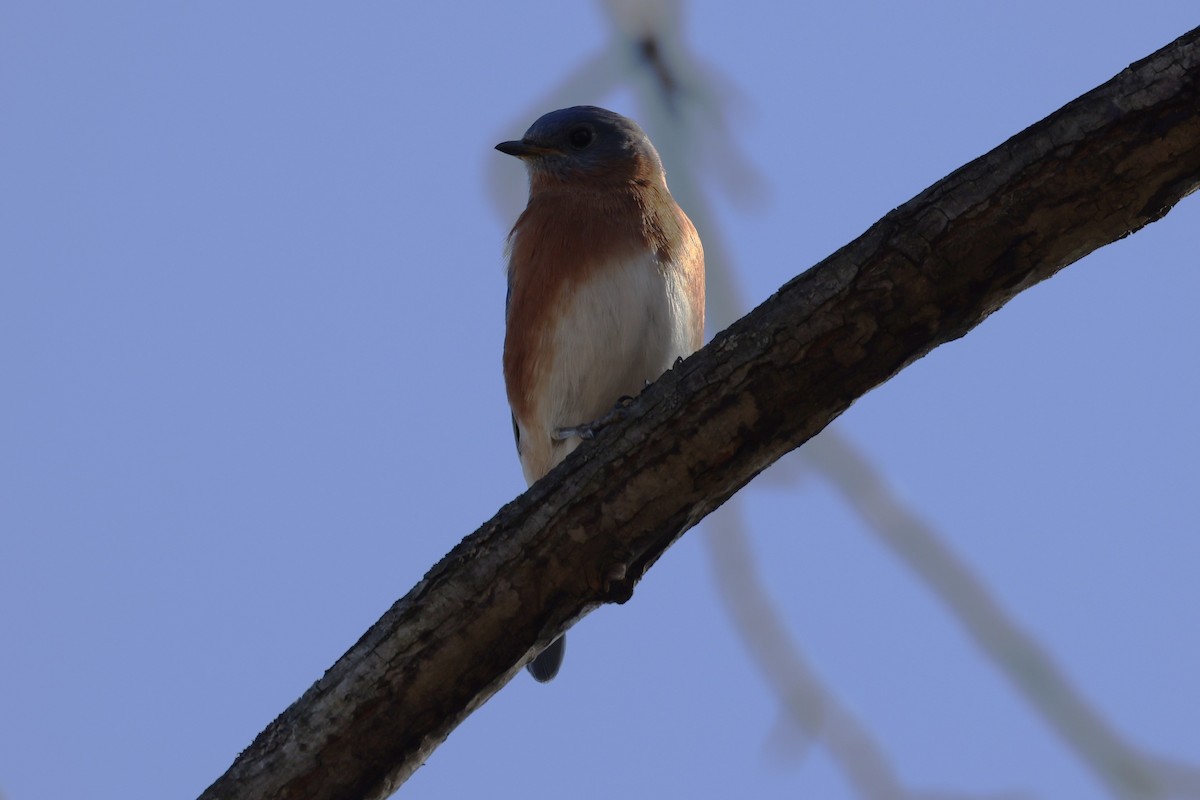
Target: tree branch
<point>1098,169</point>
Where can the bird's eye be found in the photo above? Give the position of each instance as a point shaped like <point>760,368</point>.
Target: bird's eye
<point>580,137</point>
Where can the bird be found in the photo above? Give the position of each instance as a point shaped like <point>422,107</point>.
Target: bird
<point>605,287</point>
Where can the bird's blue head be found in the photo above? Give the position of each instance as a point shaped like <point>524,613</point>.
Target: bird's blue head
<point>586,143</point>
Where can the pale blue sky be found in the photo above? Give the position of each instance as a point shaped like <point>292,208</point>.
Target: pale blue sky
<point>250,332</point>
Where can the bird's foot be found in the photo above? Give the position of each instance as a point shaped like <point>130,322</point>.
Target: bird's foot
<point>588,430</point>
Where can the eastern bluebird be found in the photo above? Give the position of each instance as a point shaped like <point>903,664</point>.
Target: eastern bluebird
<point>605,286</point>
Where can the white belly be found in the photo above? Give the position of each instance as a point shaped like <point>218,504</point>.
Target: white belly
<point>621,331</point>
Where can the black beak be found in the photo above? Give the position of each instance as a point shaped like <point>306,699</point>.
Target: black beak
<point>524,149</point>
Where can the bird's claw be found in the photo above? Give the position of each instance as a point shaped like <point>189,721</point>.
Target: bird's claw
<point>588,430</point>
<point>584,431</point>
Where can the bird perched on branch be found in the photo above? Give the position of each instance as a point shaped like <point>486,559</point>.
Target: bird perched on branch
<point>605,286</point>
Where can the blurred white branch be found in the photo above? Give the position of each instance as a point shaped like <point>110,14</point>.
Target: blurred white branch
<point>1125,770</point>
<point>784,666</point>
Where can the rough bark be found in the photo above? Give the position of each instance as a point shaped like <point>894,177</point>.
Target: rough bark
<point>1095,171</point>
